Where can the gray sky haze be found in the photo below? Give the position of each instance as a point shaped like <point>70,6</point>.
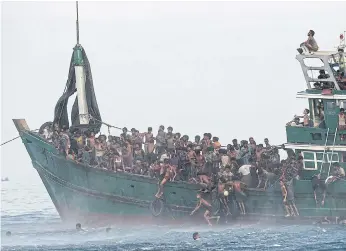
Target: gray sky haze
<point>227,68</point>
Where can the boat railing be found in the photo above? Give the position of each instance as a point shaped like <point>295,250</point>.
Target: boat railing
<point>328,61</point>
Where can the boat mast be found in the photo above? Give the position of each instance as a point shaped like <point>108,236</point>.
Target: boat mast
<point>80,78</point>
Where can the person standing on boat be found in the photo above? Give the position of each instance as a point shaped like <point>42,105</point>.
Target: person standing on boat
<point>209,161</point>
<point>216,143</point>
<point>266,143</point>
<point>310,45</point>
<point>197,144</point>
<point>206,142</point>
<point>170,141</point>
<point>342,121</point>
<point>244,153</point>
<point>150,155</point>
<point>206,205</point>
<point>124,136</point>
<point>147,137</point>
<point>337,173</point>
<point>160,140</point>
<point>64,141</point>
<point>306,118</point>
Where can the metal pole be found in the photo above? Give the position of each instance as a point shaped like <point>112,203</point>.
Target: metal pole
<point>77,23</point>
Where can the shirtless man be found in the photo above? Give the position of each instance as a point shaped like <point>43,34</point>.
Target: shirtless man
<point>259,151</point>
<point>284,195</point>
<point>147,137</point>
<point>167,172</point>
<point>170,141</point>
<point>191,154</point>
<point>306,118</point>
<point>206,205</point>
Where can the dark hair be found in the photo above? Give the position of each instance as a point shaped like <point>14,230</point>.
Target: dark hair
<point>150,128</point>
<point>342,109</point>
<point>78,225</point>
<point>194,236</point>
<point>312,32</point>
<point>8,233</point>
<point>307,111</point>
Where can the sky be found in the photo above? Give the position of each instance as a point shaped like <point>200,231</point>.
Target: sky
<point>227,68</point>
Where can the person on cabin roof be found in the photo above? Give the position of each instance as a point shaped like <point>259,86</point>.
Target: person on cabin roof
<point>309,45</point>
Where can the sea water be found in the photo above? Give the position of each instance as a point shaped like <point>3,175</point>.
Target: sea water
<point>27,211</point>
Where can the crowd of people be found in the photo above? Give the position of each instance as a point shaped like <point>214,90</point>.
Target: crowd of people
<point>145,154</point>
<point>170,156</point>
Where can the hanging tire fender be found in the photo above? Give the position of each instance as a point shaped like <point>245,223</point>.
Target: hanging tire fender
<point>157,207</point>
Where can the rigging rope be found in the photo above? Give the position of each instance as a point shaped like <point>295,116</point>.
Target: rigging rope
<point>15,138</point>
<point>106,124</point>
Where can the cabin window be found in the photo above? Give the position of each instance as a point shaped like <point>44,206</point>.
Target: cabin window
<point>331,105</point>
<point>314,160</point>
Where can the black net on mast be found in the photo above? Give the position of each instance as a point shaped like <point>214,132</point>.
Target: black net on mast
<point>61,114</point>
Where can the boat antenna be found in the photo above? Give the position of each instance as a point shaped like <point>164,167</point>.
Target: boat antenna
<point>77,23</point>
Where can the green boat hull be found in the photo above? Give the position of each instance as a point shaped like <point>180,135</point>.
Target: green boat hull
<point>85,194</point>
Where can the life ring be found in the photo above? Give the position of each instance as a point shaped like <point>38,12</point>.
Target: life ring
<point>49,124</point>
<point>156,207</point>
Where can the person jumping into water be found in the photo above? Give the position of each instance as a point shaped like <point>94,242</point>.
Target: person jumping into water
<point>208,209</point>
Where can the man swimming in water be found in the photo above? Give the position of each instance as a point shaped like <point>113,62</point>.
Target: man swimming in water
<point>79,227</point>
<point>208,208</point>
<point>195,236</point>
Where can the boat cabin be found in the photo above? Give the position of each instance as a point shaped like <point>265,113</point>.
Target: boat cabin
<point>323,141</point>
